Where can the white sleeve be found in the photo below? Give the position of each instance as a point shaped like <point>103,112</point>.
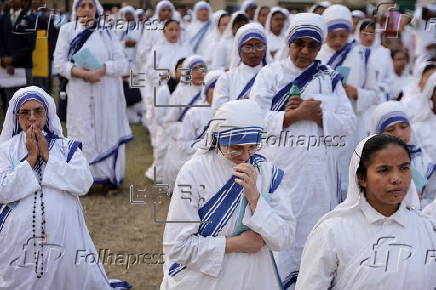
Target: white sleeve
<point>262,92</point>
<point>74,176</point>
<point>61,64</point>
<point>219,59</point>
<point>318,261</point>
<point>186,247</point>
<point>274,221</point>
<point>16,181</point>
<point>368,95</point>
<point>221,93</point>
<point>118,65</point>
<point>342,121</point>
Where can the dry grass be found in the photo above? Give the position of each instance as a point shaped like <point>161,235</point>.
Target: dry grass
<point>124,228</point>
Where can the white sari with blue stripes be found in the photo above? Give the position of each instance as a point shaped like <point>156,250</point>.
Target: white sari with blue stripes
<point>311,171</point>
<point>234,84</point>
<point>195,252</point>
<point>96,112</point>
<point>65,177</point>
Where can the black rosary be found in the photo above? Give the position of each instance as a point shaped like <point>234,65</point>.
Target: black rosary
<point>43,233</point>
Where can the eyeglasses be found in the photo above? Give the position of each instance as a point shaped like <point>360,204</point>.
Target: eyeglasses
<point>252,48</point>
<point>38,112</point>
<point>300,44</point>
<point>240,151</point>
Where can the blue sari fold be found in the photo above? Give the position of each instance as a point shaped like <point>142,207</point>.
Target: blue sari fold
<point>246,89</point>
<point>339,56</point>
<point>218,210</point>
<point>198,37</point>
<point>281,98</point>
<point>189,106</point>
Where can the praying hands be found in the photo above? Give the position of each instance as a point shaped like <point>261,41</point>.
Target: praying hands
<point>36,145</point>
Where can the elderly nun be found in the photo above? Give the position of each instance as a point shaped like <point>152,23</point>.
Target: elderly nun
<point>249,55</point>
<point>376,238</point>
<point>93,61</point>
<point>43,235</point>
<point>301,97</point>
<point>235,208</point>
<point>391,118</point>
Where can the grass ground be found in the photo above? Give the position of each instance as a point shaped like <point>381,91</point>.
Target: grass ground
<point>126,230</point>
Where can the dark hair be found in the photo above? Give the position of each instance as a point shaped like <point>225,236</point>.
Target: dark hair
<point>221,17</point>
<point>367,23</point>
<point>264,7</point>
<point>168,22</point>
<point>427,68</point>
<point>278,11</point>
<point>399,50</point>
<point>240,18</point>
<point>179,62</point>
<point>375,144</point>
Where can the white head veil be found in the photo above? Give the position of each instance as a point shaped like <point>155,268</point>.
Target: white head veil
<point>245,33</point>
<point>76,4</point>
<point>387,114</point>
<point>235,122</point>
<point>247,4</point>
<point>198,6</point>
<point>161,5</point>
<point>338,17</point>
<point>270,14</point>
<point>354,193</point>
<point>11,127</point>
<point>424,102</point>
<point>210,80</point>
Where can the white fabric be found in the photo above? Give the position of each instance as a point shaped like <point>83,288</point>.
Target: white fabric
<point>96,112</point>
<point>345,242</point>
<point>275,42</point>
<point>310,171</point>
<point>62,183</point>
<point>231,83</point>
<point>363,78</point>
<point>430,209</point>
<point>153,33</point>
<point>182,95</point>
<point>214,37</point>
<point>208,266</point>
<point>424,122</point>
<point>221,58</point>
<point>247,4</point>
<point>338,14</point>
<point>197,25</point>
<point>179,146</point>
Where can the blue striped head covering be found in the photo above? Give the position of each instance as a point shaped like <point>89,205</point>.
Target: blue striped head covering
<point>338,17</point>
<point>307,25</point>
<point>11,126</point>
<point>387,114</point>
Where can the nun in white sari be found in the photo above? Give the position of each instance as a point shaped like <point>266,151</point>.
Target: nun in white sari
<point>304,139</point>
<point>424,122</point>
<point>361,245</point>
<point>96,111</point>
<point>200,28</point>
<point>43,235</point>
<point>391,118</point>
<point>247,60</point>
<point>221,59</point>
<point>184,98</point>
<point>192,128</point>
<point>352,61</point>
<point>276,26</point>
<point>240,197</point>
<point>221,19</point>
